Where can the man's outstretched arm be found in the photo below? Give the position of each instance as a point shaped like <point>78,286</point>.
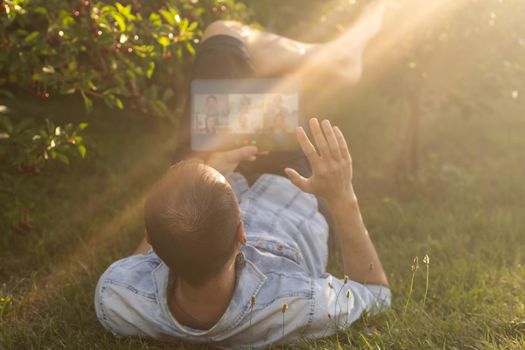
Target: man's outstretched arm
<point>360,258</point>
<point>332,180</point>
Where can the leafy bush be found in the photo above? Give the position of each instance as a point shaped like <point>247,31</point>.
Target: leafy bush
<point>25,148</point>
<point>130,52</point>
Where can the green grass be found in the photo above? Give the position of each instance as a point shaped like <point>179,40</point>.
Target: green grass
<point>466,213</point>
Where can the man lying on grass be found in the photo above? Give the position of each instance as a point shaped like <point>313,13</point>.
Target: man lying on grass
<point>235,251</point>
<point>233,265</point>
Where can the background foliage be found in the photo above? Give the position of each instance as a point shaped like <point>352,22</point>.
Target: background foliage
<point>129,54</point>
<point>25,148</point>
<point>463,57</point>
<point>115,51</point>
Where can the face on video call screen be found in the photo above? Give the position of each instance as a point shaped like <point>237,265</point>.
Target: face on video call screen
<point>230,113</point>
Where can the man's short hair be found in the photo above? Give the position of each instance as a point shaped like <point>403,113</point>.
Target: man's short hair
<point>192,217</point>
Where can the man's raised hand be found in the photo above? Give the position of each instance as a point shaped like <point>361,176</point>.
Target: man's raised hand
<point>330,161</point>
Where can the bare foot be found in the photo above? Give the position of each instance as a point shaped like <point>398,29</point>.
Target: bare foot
<point>346,52</point>
<point>367,25</point>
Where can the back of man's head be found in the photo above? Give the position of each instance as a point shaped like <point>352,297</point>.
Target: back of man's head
<point>192,218</point>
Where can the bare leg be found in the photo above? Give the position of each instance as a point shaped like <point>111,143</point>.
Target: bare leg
<point>274,55</point>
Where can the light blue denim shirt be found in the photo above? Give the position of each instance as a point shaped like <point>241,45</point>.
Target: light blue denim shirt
<point>283,263</point>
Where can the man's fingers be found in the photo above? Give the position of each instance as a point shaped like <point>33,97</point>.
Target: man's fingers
<point>343,147</point>
<point>243,153</point>
<point>307,147</point>
<point>319,138</point>
<point>333,144</point>
<point>298,180</point>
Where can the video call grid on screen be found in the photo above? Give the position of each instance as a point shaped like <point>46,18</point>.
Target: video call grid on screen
<point>232,113</point>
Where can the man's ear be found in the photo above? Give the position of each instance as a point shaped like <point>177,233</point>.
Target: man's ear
<point>241,234</point>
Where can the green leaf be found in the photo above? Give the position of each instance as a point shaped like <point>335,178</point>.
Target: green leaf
<point>87,102</point>
<point>50,126</point>
<point>159,108</point>
<point>144,48</point>
<point>91,85</point>
<point>192,26</point>
<point>153,92</point>
<point>174,12</point>
<point>121,21</point>
<point>125,11</point>
<point>107,9</point>
<point>21,32</point>
<point>119,103</point>
<point>82,126</point>
<point>164,41</point>
<point>22,125</point>
<point>121,8</point>
<point>31,37</point>
<point>190,48</point>
<point>168,93</point>
<point>168,16</point>
<point>41,10</point>
<point>183,25</point>
<point>155,20</point>
<point>5,122</point>
<point>65,19</point>
<point>6,93</point>
<point>62,157</point>
<point>151,68</point>
<point>68,21</point>
<point>82,150</point>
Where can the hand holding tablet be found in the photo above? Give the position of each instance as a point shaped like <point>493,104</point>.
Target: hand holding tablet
<point>228,114</point>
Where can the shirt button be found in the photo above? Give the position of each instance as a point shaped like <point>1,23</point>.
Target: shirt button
<point>280,247</point>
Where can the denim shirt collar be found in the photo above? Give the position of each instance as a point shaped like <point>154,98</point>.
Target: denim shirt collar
<point>249,281</point>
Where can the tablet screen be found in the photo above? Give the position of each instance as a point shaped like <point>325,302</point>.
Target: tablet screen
<point>227,114</point>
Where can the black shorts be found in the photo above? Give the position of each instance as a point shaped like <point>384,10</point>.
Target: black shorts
<point>226,57</point>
